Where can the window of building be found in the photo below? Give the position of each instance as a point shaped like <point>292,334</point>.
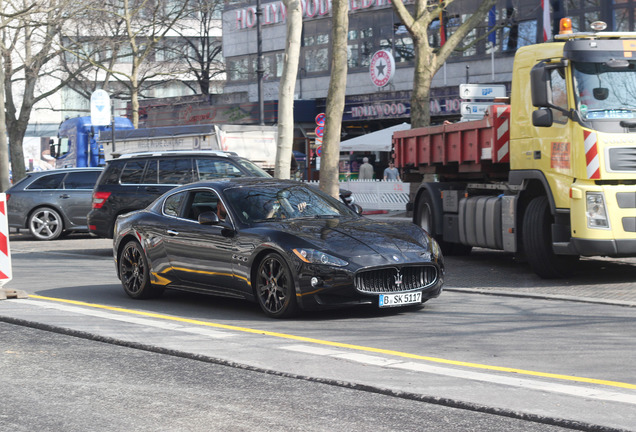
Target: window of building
<point>238,69</point>
<point>315,46</point>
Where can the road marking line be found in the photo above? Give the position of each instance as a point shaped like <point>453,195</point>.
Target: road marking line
<point>133,320</point>
<point>471,375</point>
<point>345,345</point>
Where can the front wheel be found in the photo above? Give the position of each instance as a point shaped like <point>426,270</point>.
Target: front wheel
<point>275,289</point>
<point>537,241</point>
<point>135,272</point>
<point>46,224</point>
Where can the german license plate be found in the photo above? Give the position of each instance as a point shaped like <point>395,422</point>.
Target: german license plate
<point>390,300</point>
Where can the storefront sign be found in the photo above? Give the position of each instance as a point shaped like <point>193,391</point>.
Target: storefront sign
<point>382,68</point>
<point>275,12</point>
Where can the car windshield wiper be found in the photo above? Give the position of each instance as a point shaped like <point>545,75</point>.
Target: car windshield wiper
<point>319,217</point>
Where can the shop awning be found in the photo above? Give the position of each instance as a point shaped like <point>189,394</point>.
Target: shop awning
<point>374,141</point>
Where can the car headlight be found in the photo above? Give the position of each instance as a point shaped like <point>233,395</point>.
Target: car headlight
<point>435,249</point>
<point>595,210</point>
<point>313,256</point>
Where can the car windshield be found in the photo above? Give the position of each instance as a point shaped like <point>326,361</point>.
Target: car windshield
<point>605,90</point>
<point>277,202</point>
<point>253,169</point>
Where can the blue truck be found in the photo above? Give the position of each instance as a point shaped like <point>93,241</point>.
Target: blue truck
<point>77,142</point>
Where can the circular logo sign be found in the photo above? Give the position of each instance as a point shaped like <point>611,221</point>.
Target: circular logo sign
<point>382,68</point>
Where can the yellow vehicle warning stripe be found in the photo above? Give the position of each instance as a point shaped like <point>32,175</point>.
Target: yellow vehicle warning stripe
<point>347,346</point>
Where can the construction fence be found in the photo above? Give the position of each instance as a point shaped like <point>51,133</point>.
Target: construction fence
<point>377,195</point>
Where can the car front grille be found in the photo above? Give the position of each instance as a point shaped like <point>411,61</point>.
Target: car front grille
<point>393,279</point>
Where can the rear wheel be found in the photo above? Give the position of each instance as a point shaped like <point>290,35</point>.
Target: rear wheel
<point>426,220</point>
<point>46,224</point>
<point>275,289</point>
<point>537,241</point>
<point>135,272</point>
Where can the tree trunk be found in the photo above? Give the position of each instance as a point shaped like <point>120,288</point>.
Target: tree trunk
<point>429,59</point>
<point>286,90</point>
<point>329,181</point>
<point>4,145</point>
<point>423,73</point>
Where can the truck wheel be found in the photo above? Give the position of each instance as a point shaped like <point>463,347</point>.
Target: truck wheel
<point>426,219</point>
<point>537,240</point>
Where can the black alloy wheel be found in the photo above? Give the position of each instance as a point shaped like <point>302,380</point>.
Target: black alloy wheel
<point>135,273</point>
<point>275,287</point>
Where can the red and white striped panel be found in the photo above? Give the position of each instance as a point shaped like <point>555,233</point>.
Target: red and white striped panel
<point>502,126</point>
<point>5,253</point>
<point>591,155</point>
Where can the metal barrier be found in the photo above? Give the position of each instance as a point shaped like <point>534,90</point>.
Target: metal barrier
<point>377,195</point>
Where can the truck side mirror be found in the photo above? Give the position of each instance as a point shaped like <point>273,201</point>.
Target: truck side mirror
<point>53,148</point>
<point>542,117</point>
<point>540,86</point>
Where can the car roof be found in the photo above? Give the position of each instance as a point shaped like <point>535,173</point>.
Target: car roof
<point>231,182</point>
<point>63,170</point>
<point>177,153</point>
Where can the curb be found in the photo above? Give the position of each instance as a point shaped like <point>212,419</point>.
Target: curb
<point>542,296</point>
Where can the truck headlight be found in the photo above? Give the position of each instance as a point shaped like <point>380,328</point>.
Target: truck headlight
<point>595,210</point>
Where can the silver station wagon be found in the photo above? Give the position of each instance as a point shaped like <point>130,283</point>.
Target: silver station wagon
<point>50,203</point>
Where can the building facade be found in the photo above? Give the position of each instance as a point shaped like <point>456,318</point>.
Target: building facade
<point>485,56</point>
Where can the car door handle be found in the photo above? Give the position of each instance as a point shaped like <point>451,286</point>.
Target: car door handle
<point>172,232</point>
<point>65,196</point>
<point>152,189</point>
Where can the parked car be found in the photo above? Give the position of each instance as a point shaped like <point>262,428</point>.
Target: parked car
<point>133,181</point>
<point>280,243</point>
<point>50,203</point>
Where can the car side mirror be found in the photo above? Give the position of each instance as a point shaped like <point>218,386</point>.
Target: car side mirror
<point>357,208</point>
<point>542,117</point>
<point>208,218</point>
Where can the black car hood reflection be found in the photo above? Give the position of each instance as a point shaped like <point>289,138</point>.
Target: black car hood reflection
<point>363,241</point>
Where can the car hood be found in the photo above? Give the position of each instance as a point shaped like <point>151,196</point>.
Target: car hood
<point>363,241</point>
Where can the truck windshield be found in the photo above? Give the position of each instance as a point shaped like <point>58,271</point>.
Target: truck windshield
<point>605,90</point>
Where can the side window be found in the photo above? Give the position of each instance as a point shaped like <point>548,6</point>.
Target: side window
<point>53,181</point>
<point>559,95</point>
<point>132,172</point>
<point>150,177</point>
<point>175,171</point>
<point>172,204</point>
<point>202,201</point>
<point>112,173</point>
<point>81,180</point>
<point>216,168</point>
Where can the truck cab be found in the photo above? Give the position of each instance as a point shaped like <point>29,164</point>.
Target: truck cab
<point>550,177</point>
<point>76,144</point>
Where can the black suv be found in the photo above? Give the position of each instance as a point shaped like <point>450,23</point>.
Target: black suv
<point>133,181</point>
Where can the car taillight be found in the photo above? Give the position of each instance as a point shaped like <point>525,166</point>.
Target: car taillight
<point>99,198</point>
<point>8,196</point>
